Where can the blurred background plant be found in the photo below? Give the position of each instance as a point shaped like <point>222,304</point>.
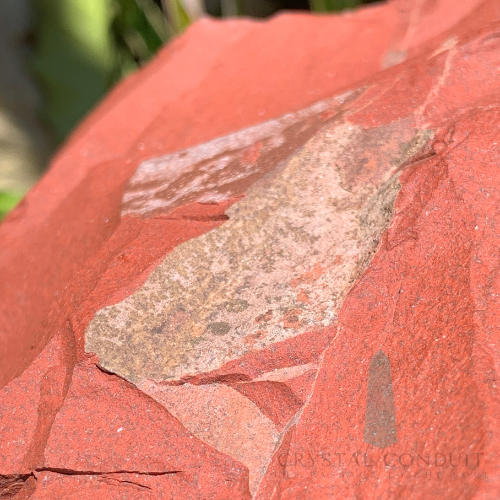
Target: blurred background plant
<point>58,58</point>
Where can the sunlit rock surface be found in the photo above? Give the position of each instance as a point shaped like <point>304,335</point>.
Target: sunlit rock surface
<point>249,279</point>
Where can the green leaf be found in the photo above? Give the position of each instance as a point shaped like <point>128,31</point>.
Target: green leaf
<point>333,5</point>
<point>83,47</point>
<point>7,202</point>
<point>177,16</point>
<point>74,58</point>
<point>140,29</point>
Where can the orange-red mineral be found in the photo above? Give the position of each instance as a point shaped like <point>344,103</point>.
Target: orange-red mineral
<point>268,266</point>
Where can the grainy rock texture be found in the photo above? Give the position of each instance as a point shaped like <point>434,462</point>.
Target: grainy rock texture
<point>267,267</point>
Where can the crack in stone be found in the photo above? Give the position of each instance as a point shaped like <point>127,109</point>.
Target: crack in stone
<point>11,484</point>
<point>71,472</point>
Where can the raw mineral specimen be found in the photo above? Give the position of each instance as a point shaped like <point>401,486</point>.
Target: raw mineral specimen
<point>267,267</point>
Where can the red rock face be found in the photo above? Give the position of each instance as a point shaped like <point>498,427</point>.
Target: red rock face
<point>305,308</point>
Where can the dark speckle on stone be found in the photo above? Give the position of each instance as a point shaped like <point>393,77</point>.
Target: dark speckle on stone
<point>219,328</point>
<point>158,329</point>
<point>236,305</point>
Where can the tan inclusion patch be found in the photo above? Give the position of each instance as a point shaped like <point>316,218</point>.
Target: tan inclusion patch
<point>281,265</point>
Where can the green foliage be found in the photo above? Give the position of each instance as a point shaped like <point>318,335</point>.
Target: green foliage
<point>7,202</point>
<point>73,59</point>
<point>83,47</point>
<point>139,29</point>
<point>333,5</point>
<point>177,16</point>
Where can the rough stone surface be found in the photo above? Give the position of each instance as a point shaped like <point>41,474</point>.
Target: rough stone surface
<point>304,308</point>
<point>280,265</point>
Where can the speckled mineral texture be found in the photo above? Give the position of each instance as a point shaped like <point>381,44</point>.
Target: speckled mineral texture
<point>267,267</point>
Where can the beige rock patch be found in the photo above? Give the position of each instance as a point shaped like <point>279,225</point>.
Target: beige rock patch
<point>280,266</point>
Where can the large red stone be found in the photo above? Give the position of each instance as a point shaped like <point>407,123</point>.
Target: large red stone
<point>284,417</point>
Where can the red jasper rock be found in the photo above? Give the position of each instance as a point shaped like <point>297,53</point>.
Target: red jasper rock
<point>267,269</point>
